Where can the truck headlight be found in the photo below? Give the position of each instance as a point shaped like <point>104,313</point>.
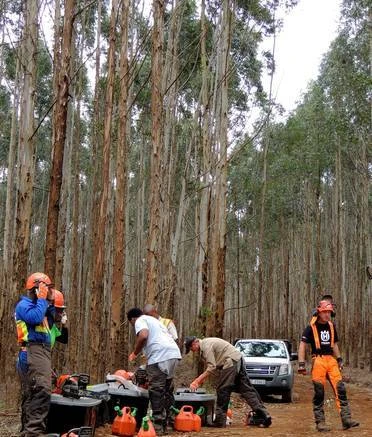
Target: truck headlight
<point>283,369</point>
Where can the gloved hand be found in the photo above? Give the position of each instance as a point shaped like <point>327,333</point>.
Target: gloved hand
<point>340,363</point>
<point>196,383</point>
<point>132,357</point>
<point>301,368</point>
<point>64,318</point>
<point>42,291</point>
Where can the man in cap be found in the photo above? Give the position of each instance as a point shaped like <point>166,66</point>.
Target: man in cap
<point>227,363</point>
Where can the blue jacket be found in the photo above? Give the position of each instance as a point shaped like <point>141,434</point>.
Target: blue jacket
<point>34,320</point>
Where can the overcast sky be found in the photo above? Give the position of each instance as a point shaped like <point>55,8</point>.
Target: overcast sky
<point>306,35</point>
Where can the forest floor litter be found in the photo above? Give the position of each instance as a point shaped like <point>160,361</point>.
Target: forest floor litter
<point>295,419</point>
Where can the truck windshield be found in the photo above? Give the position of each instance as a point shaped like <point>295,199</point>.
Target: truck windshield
<point>262,349</point>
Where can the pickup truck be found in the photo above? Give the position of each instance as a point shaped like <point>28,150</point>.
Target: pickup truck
<point>268,365</point>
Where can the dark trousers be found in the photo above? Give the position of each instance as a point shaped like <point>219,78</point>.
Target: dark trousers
<point>36,390</point>
<point>161,396</point>
<point>22,369</point>
<point>235,379</point>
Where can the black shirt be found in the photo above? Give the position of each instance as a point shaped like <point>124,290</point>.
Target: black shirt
<point>324,333</point>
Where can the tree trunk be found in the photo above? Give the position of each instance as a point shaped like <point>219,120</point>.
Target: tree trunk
<point>170,225</point>
<point>118,284</point>
<point>204,201</point>
<point>218,254</point>
<point>97,359</point>
<point>154,239</point>
<point>26,146</point>
<point>26,171</point>
<point>11,182</point>
<point>60,120</point>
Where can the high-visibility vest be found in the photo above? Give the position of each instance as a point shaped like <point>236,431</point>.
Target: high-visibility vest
<point>22,330</point>
<point>165,322</point>
<point>316,334</point>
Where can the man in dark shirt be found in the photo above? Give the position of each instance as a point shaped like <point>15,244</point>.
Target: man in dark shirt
<point>322,336</point>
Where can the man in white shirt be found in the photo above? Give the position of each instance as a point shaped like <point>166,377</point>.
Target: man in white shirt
<point>163,356</point>
<point>151,310</point>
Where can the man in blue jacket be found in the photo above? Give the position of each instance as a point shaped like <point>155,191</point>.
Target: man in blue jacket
<point>34,317</point>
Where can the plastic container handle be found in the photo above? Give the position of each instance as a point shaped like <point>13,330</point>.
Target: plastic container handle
<point>118,411</point>
<point>145,423</point>
<point>200,411</point>
<point>127,410</point>
<point>187,409</point>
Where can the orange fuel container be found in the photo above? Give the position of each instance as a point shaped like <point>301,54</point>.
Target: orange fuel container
<point>124,424</point>
<point>187,421</point>
<point>147,428</point>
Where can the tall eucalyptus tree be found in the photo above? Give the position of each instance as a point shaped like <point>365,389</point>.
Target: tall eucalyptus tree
<point>63,72</point>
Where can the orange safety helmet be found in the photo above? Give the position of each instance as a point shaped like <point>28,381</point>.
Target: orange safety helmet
<point>35,279</point>
<point>59,300</point>
<point>325,305</point>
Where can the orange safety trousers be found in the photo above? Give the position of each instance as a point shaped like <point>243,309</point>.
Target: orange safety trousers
<point>325,367</point>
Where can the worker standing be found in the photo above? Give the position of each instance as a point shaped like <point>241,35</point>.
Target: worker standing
<point>327,363</point>
<point>60,333</point>
<point>34,317</point>
<point>151,310</point>
<point>163,356</point>
<point>227,363</point>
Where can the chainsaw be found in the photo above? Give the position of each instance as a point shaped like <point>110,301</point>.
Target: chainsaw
<point>74,386</point>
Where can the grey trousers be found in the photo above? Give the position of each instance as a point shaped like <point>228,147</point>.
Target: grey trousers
<point>235,379</point>
<point>161,390</point>
<point>37,389</point>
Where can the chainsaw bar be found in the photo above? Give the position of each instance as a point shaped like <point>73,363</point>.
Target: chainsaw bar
<point>76,393</point>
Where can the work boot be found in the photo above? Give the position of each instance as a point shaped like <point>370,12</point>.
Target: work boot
<point>159,426</point>
<point>266,418</point>
<point>260,417</point>
<point>346,419</point>
<point>322,427</point>
<point>349,423</point>
<point>219,422</point>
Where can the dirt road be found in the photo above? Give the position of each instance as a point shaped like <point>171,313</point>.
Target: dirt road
<point>294,419</point>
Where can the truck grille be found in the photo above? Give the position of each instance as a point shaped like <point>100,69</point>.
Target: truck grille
<point>260,370</point>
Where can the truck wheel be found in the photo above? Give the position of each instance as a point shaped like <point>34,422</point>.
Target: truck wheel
<point>287,396</point>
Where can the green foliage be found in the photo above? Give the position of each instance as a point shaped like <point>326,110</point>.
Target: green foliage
<point>10,59</point>
<point>5,120</point>
<point>205,312</point>
<point>334,114</point>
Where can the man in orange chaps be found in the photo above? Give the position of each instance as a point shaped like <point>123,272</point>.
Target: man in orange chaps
<point>326,365</point>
